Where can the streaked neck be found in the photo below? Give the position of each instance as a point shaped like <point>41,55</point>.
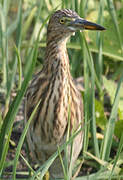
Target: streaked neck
<point>56,56</point>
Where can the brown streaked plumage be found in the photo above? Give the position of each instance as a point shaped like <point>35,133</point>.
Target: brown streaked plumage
<point>55,89</point>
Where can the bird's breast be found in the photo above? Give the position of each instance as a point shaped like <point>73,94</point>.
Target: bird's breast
<point>58,96</point>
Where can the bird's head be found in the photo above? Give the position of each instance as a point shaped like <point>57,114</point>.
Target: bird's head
<point>64,22</point>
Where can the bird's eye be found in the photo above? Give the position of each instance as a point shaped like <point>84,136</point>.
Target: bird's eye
<point>62,21</point>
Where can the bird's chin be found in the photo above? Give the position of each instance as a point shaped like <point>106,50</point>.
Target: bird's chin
<point>73,30</point>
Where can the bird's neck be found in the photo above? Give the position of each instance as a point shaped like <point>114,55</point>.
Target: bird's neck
<point>57,57</point>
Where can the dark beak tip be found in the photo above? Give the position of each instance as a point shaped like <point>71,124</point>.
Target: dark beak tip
<point>103,29</point>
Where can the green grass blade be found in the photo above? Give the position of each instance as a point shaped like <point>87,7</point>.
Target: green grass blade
<point>100,176</point>
<point>28,22</point>
<point>27,65</point>
<point>22,140</point>
<point>9,119</point>
<point>19,68</point>
<point>92,101</point>
<point>6,6</point>
<point>63,4</point>
<point>18,44</point>
<point>28,165</point>
<point>110,126</point>
<point>99,38</point>
<point>62,164</point>
<point>29,49</point>
<point>120,148</point>
<point>66,160</point>
<point>86,95</point>
<point>1,121</point>
<point>5,149</point>
<point>69,155</point>
<point>3,46</point>
<point>114,18</point>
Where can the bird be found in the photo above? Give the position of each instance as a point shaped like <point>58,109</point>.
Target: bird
<point>54,87</point>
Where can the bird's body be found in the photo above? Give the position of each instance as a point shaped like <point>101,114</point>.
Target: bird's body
<point>53,86</point>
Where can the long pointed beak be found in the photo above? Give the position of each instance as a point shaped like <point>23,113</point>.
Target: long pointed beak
<point>80,24</point>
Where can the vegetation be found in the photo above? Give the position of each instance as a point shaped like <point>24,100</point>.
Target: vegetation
<point>97,56</point>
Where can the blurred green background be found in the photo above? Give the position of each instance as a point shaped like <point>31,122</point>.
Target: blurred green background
<point>99,60</point>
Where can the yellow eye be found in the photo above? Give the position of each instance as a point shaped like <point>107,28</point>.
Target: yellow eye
<point>62,21</point>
